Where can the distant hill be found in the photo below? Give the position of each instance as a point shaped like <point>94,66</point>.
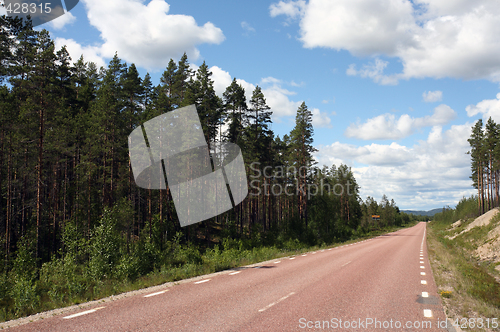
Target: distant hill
<point>429,213</point>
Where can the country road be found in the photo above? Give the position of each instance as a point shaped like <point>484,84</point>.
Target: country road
<point>380,284</point>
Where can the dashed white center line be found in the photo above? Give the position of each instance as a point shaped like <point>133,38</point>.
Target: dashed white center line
<point>421,262</point>
<point>423,282</point>
<point>425,294</point>
<point>422,267</point>
<point>233,273</point>
<point>202,281</point>
<point>270,305</point>
<point>422,273</point>
<point>83,313</point>
<point>427,313</point>
<point>157,293</point>
<point>346,264</point>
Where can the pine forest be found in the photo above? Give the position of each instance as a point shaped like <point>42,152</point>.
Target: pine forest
<point>73,224</point>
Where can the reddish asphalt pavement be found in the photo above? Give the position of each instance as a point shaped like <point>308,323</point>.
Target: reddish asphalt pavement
<point>367,286</point>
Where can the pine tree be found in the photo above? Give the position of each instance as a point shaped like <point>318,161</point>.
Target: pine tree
<point>180,84</point>
<point>147,90</point>
<point>236,107</point>
<point>302,149</point>
<point>208,104</point>
<point>42,82</point>
<point>491,139</point>
<point>477,154</point>
<point>258,141</point>
<point>258,134</point>
<point>104,133</point>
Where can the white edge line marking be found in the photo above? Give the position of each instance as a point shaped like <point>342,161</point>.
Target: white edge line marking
<point>425,294</point>
<point>292,257</point>
<point>154,294</point>
<point>270,305</point>
<point>277,262</point>
<point>427,313</point>
<point>202,281</point>
<point>233,273</point>
<point>304,255</point>
<point>83,313</point>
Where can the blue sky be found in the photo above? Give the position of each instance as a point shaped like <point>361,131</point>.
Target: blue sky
<point>394,85</point>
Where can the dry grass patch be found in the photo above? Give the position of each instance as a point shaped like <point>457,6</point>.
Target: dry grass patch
<point>467,289</point>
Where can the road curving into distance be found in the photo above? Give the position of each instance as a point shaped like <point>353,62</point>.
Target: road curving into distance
<point>380,284</point>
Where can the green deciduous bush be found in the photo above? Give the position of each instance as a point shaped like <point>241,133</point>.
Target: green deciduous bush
<point>5,296</point>
<point>63,280</point>
<point>24,294</point>
<point>104,248</point>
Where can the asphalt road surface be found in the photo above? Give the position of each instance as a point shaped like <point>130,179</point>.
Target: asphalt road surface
<point>380,284</point>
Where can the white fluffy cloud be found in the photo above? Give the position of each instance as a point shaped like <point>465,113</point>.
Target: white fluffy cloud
<point>434,170</point>
<point>292,9</point>
<point>221,79</point>
<point>487,107</point>
<point>145,34</point>
<point>90,53</point>
<point>431,38</point>
<point>247,27</point>
<point>320,119</point>
<point>62,21</point>
<point>375,71</point>
<point>432,96</point>
<point>386,126</point>
<point>363,27</point>
<point>277,97</point>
